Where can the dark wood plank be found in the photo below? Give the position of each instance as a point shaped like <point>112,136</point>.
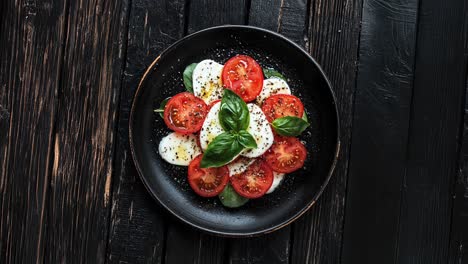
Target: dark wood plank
<point>79,195</point>
<point>293,20</point>
<point>459,232</point>
<point>179,237</point>
<point>31,34</point>
<point>197,247</point>
<point>208,13</point>
<point>439,86</point>
<point>137,223</point>
<point>270,248</point>
<point>288,18</point>
<point>203,248</point>
<point>333,37</point>
<point>265,14</point>
<point>380,130</point>
<point>212,249</point>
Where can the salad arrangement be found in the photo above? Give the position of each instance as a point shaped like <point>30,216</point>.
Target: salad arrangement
<point>235,128</point>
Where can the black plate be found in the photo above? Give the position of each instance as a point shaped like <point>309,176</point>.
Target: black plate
<point>167,183</point>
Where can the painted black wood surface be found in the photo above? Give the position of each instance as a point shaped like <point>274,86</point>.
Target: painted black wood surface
<point>380,130</point>
<point>69,192</point>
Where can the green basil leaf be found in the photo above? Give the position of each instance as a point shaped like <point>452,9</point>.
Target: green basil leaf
<point>160,110</point>
<point>230,198</point>
<point>233,113</point>
<point>304,117</point>
<point>290,126</point>
<point>188,77</point>
<point>223,149</point>
<point>246,139</point>
<point>269,72</point>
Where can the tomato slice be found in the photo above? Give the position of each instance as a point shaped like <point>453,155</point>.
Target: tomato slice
<point>197,136</point>
<point>213,103</point>
<point>287,154</point>
<point>185,113</point>
<point>280,105</point>
<point>253,182</point>
<point>207,182</point>
<point>244,76</point>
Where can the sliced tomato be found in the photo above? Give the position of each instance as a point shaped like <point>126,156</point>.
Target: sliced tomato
<point>197,136</point>
<point>253,182</point>
<point>213,103</point>
<point>207,182</point>
<point>280,105</point>
<point>287,154</point>
<point>244,76</point>
<point>185,113</point>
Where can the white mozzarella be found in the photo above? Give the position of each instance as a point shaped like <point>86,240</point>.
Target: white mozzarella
<point>271,87</point>
<point>211,127</point>
<point>239,165</point>
<point>207,83</point>
<point>277,179</point>
<point>260,129</point>
<point>179,149</point>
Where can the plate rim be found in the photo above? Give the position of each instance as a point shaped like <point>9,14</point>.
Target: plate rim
<point>266,230</point>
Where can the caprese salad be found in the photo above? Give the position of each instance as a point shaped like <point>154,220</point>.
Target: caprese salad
<point>235,128</point>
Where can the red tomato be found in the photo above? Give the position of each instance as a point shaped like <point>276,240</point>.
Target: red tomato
<point>213,103</point>
<point>244,76</point>
<point>207,182</point>
<point>185,113</point>
<point>253,182</point>
<point>287,154</point>
<point>197,136</point>
<point>280,105</point>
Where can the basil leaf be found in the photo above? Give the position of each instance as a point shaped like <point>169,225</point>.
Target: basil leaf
<point>269,72</point>
<point>304,117</point>
<point>188,77</point>
<point>290,126</point>
<point>233,113</point>
<point>160,110</point>
<point>246,139</point>
<point>223,149</point>
<point>230,198</point>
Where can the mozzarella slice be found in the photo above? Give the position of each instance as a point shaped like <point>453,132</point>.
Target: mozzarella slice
<point>239,165</point>
<point>271,87</point>
<point>277,179</point>
<point>207,82</point>
<point>179,149</point>
<point>211,127</point>
<point>260,129</point>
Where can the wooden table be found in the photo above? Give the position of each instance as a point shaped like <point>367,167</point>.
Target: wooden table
<point>69,192</point>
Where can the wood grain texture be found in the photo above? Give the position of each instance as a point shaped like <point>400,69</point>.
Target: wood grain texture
<point>31,33</point>
<point>265,14</point>
<point>185,244</point>
<point>269,248</point>
<point>137,232</point>
<point>439,87</point>
<point>79,195</point>
<point>180,237</point>
<point>458,251</point>
<point>332,38</point>
<point>380,130</point>
<point>293,21</point>
<point>69,192</point>
<point>208,13</point>
<point>288,17</point>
